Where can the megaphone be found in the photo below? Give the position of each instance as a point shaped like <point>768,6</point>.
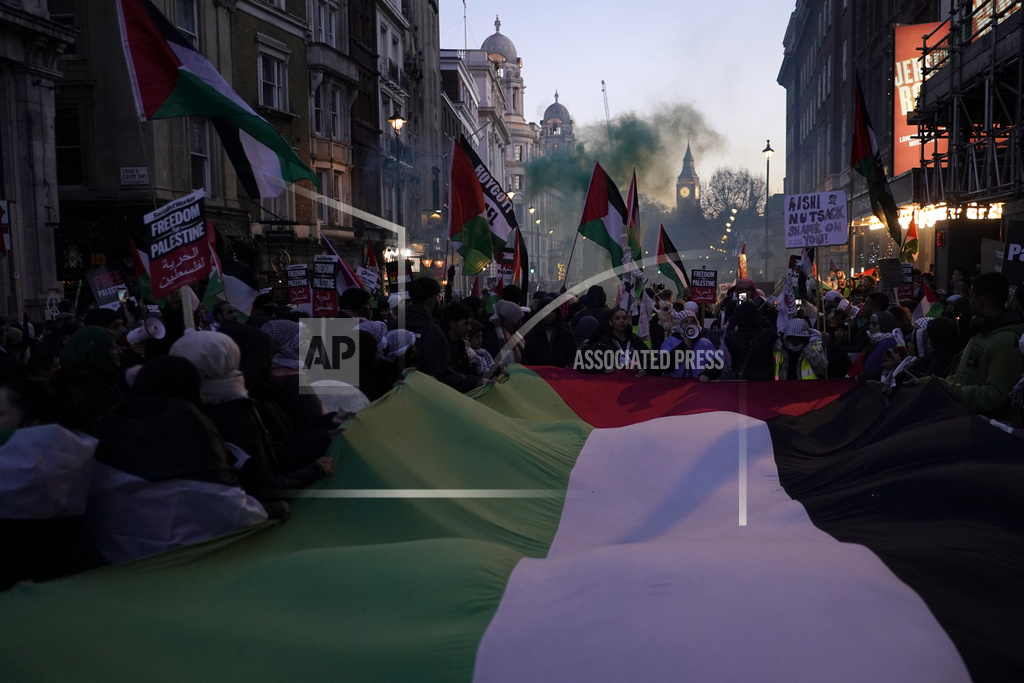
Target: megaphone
<point>153,329</point>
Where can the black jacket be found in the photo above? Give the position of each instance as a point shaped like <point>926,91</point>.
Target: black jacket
<point>435,351</point>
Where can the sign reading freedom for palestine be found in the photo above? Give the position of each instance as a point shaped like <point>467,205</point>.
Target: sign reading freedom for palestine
<point>178,244</point>
<point>703,286</point>
<point>325,288</point>
<point>816,219</point>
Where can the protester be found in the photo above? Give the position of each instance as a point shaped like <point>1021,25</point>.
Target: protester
<point>800,353</point>
<point>261,469</point>
<point>750,339</point>
<point>88,382</point>
<point>508,347</point>
<point>991,363</point>
<point>617,335</point>
<point>550,341</point>
<point>162,478</point>
<point>883,334</point>
<point>686,334</point>
<point>433,348</point>
<point>480,359</point>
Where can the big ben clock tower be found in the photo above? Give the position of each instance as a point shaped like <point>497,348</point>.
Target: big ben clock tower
<point>688,185</point>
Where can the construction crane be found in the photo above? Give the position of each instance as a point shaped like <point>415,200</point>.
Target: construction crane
<point>607,113</point>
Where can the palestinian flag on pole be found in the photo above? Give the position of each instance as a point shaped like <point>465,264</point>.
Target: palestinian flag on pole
<point>495,295</point>
<point>233,282</point>
<point>807,269</point>
<point>866,160</point>
<point>469,231</point>
<point>346,277</point>
<point>909,252</point>
<point>670,264</point>
<point>501,215</point>
<point>929,305</point>
<point>536,547</point>
<point>170,78</point>
<point>604,215</point>
<point>633,223</point>
<point>517,264</point>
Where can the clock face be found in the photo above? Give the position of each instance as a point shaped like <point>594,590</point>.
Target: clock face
<point>684,192</point>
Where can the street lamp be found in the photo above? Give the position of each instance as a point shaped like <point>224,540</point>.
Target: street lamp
<point>767,152</point>
<point>397,121</point>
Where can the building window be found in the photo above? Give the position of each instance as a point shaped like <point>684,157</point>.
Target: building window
<point>318,111</point>
<point>323,208</point>
<point>335,131</point>
<point>272,88</point>
<point>68,138</point>
<point>199,152</point>
<point>517,153</point>
<point>63,13</point>
<point>186,19</point>
<point>325,18</point>
<point>517,182</point>
<point>279,208</point>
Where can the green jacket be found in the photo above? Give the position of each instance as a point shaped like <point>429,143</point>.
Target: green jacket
<point>989,367</point>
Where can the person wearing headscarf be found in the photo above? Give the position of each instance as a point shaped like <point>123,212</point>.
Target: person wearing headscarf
<point>402,348</point>
<point>799,352</point>
<point>262,468</point>
<point>507,319</point>
<point>162,478</point>
<point>686,334</point>
<point>88,382</point>
<point>883,334</point>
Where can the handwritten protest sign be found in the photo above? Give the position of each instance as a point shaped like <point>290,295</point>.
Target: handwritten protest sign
<point>816,219</point>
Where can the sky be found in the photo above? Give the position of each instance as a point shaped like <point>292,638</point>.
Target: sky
<point>706,71</point>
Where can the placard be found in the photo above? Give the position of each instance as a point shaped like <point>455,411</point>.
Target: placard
<point>816,219</point>
<point>300,294</point>
<point>325,288</point>
<point>106,282</point>
<point>178,244</point>
<point>890,274</point>
<point>1013,253</point>
<point>704,286</point>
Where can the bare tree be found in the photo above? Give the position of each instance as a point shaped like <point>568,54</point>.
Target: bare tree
<point>730,188</point>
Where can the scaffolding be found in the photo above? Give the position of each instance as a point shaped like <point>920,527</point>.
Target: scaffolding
<point>970,113</point>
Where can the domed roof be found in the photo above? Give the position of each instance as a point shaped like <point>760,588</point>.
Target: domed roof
<point>556,111</point>
<point>498,44</point>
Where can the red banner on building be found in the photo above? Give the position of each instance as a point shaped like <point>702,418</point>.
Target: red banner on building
<point>907,81</point>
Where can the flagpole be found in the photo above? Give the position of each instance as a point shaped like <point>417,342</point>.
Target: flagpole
<point>567,265</point>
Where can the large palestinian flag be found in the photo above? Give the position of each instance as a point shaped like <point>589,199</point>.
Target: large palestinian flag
<point>498,536</point>
<point>171,78</point>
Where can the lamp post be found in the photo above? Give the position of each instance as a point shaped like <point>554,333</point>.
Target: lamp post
<point>767,151</point>
<point>397,121</point>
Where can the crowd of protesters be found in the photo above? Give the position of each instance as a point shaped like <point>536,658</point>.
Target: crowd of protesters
<point>186,435</point>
